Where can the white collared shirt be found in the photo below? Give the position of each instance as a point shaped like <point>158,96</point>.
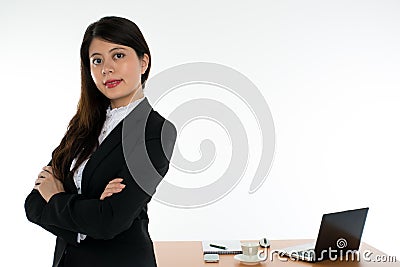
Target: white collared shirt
<point>113,118</point>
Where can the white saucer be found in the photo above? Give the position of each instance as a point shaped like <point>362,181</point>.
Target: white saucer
<point>247,260</point>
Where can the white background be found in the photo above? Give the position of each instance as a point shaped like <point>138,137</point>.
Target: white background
<point>329,71</point>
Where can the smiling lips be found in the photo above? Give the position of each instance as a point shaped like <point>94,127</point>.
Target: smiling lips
<point>112,83</point>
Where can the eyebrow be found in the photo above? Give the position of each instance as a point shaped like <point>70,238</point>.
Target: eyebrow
<point>111,50</point>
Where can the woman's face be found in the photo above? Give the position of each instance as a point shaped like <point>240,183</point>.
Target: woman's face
<point>116,71</point>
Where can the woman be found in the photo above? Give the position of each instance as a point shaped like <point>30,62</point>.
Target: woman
<point>93,194</point>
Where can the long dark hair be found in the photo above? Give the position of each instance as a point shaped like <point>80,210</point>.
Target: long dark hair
<point>81,138</point>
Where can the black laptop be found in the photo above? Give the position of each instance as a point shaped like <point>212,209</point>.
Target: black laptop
<point>339,236</point>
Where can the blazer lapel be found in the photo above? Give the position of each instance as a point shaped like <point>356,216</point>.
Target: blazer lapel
<point>112,140</point>
<point>69,184</point>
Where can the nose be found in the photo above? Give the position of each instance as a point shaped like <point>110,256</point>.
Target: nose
<point>107,68</point>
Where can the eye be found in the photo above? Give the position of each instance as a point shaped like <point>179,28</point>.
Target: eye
<point>119,55</point>
<point>96,61</point>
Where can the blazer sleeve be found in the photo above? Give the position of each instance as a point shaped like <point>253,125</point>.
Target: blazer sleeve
<point>104,219</point>
<point>34,205</point>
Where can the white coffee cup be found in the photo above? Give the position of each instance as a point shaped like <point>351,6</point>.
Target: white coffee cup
<point>250,250</point>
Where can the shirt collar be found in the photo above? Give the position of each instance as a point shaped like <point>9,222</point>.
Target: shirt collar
<point>124,110</point>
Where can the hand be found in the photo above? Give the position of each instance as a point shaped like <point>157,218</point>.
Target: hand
<point>47,184</point>
<point>113,187</point>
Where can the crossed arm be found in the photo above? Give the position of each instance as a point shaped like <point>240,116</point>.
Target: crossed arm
<point>48,185</point>
<point>66,214</point>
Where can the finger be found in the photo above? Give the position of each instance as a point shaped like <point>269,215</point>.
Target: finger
<point>115,185</point>
<point>116,180</point>
<point>112,190</point>
<point>104,195</point>
<point>109,192</point>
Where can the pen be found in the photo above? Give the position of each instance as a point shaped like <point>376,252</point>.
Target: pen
<point>218,246</point>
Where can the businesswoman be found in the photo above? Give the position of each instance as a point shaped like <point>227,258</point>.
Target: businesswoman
<point>93,194</point>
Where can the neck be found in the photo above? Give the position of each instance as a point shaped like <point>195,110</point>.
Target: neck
<point>117,103</point>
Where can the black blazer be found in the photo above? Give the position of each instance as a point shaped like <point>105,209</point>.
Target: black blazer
<point>116,227</point>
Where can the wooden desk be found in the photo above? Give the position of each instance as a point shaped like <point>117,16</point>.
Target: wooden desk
<point>190,254</point>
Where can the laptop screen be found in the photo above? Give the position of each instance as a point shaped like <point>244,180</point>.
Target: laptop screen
<point>340,232</point>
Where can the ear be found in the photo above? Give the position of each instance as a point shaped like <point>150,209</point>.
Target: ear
<point>145,63</point>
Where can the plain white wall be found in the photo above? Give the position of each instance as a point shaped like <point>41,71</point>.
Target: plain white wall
<point>329,71</point>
